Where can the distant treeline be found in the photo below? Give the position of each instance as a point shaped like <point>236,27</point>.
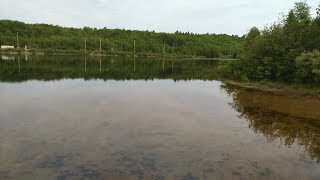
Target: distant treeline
<point>43,36</point>
<point>287,51</point>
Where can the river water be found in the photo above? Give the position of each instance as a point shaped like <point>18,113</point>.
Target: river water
<point>121,118</point>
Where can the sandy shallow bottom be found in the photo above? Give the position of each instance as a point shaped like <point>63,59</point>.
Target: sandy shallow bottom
<point>76,129</point>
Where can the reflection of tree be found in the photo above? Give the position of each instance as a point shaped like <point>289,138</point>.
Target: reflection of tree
<point>276,125</point>
<point>55,68</point>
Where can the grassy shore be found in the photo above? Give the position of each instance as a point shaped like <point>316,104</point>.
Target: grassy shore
<point>279,88</point>
<point>92,53</point>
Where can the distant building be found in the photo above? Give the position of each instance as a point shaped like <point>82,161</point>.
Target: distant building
<point>7,47</point>
<point>7,58</point>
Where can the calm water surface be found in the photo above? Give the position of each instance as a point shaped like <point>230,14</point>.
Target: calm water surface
<point>76,118</point>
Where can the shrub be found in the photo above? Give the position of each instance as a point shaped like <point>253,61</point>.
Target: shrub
<point>308,67</point>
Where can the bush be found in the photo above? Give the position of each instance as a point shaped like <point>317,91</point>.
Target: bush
<point>232,70</point>
<point>308,67</point>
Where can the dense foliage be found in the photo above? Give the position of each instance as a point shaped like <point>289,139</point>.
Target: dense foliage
<point>308,67</point>
<point>43,36</point>
<point>283,52</point>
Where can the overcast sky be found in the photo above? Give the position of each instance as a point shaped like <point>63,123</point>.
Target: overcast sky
<point>199,16</point>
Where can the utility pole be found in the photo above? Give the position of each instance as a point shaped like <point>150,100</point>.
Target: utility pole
<point>85,64</point>
<point>134,63</point>
<point>173,48</point>
<point>19,64</point>
<point>172,66</point>
<point>18,40</point>
<point>100,46</point>
<point>85,44</point>
<point>134,46</point>
<point>164,48</point>
<point>162,65</point>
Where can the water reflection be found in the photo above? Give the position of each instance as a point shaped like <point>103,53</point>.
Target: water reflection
<point>292,119</point>
<point>96,118</point>
<point>120,68</point>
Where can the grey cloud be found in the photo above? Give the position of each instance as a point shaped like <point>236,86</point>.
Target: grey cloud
<point>200,16</point>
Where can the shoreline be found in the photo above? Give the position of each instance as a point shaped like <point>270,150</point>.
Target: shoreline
<point>278,88</point>
<point>93,53</point>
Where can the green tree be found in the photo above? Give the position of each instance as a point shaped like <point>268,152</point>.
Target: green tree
<point>252,35</point>
<point>271,54</point>
<point>308,67</point>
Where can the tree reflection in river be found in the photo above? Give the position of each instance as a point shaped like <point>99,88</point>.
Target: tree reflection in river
<point>116,68</point>
<point>280,117</point>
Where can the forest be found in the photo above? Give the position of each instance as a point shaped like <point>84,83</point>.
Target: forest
<point>118,41</point>
<point>285,52</point>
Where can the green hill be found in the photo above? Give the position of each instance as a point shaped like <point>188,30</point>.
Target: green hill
<point>51,37</point>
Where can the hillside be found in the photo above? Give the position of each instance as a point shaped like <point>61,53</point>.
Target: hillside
<point>44,36</point>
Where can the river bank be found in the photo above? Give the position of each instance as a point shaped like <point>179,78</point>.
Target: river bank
<point>54,52</point>
<point>279,88</point>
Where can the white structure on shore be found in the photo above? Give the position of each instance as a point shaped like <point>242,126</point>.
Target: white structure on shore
<point>7,58</point>
<point>7,47</point>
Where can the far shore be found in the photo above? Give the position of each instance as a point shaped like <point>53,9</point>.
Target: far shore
<point>52,52</point>
<point>96,53</point>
